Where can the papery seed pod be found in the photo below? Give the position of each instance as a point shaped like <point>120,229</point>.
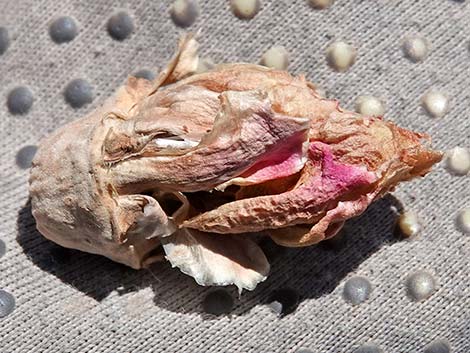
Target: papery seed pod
<point>196,163</point>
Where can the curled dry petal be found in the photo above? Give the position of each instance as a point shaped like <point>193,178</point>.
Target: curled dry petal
<point>195,164</point>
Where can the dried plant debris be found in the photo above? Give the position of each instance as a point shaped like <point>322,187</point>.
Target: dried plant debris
<point>197,165</point>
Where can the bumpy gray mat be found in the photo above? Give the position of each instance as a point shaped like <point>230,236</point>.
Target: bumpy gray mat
<point>67,301</point>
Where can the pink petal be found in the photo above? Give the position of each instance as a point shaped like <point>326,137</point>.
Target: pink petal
<point>324,182</point>
<point>285,160</point>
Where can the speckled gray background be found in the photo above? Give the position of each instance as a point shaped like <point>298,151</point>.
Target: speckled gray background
<point>75,302</point>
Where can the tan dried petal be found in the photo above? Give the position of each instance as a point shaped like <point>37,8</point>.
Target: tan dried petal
<point>184,63</point>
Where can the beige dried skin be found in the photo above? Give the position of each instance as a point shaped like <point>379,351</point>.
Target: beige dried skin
<point>196,164</point>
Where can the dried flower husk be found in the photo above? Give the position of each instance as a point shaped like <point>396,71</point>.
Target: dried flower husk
<point>197,164</point>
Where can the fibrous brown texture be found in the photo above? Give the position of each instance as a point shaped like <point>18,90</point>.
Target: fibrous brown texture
<point>197,164</point>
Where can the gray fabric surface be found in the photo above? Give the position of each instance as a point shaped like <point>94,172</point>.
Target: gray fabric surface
<point>89,304</point>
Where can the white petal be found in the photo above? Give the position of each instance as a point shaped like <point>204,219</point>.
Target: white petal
<point>217,260</point>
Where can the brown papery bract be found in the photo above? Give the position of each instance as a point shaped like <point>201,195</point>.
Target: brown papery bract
<point>197,164</point>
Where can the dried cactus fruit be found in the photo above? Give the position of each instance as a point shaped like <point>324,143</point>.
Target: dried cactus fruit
<point>197,164</point>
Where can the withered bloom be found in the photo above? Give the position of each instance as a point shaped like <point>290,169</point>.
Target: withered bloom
<point>197,164</point>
